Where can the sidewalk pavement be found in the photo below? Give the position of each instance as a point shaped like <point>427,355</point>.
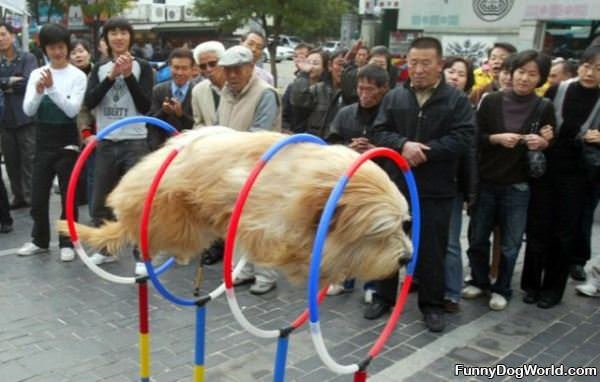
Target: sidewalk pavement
<point>60,322</point>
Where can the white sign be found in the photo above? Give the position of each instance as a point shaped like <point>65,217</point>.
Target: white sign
<point>473,47</point>
<point>75,16</point>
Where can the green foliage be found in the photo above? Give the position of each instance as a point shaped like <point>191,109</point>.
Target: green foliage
<point>307,18</point>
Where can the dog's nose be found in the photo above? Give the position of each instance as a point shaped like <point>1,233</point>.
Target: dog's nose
<point>404,259</point>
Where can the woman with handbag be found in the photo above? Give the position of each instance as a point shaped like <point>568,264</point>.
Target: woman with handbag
<point>504,121</point>
<point>559,198</point>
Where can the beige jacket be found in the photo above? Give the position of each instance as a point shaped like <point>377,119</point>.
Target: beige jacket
<point>239,111</point>
<point>203,105</point>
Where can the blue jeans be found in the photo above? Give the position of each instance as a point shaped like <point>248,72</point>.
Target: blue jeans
<point>454,267</point>
<point>506,206</point>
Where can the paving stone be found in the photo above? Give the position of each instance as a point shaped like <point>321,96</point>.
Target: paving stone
<point>472,356</point>
<point>529,349</point>
<point>553,333</point>
<point>423,376</point>
<point>77,327</point>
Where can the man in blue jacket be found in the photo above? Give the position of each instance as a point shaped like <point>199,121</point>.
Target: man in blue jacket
<point>431,124</point>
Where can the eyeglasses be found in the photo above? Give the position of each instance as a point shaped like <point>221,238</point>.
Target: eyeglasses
<point>210,64</point>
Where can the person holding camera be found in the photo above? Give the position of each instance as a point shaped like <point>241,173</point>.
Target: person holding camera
<point>172,100</point>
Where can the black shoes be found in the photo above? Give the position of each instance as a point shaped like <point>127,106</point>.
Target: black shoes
<point>18,204</point>
<point>547,302</point>
<point>531,297</point>
<point>6,227</point>
<point>577,272</point>
<point>214,253</point>
<point>434,321</point>
<point>376,309</point>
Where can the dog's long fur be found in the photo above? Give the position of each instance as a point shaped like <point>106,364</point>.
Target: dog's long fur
<point>196,196</point>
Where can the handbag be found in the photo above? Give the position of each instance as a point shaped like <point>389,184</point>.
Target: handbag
<point>536,159</point>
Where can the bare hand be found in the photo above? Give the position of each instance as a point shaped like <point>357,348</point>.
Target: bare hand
<point>127,64</point>
<point>116,70</point>
<point>414,153</point>
<point>40,86</point>
<point>592,136</point>
<point>535,142</point>
<point>361,144</point>
<point>176,107</point>
<point>47,74</point>
<point>167,107</point>
<point>547,132</point>
<point>508,140</point>
<point>304,65</point>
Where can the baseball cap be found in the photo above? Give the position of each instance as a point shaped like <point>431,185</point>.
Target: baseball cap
<point>236,55</point>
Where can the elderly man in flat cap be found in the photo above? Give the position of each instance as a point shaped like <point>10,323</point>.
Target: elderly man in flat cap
<point>247,102</point>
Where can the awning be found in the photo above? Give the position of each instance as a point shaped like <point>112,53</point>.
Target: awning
<point>185,27</point>
<point>143,26</point>
<point>16,6</point>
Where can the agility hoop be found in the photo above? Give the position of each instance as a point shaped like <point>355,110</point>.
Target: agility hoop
<point>282,334</point>
<point>321,236</point>
<point>143,306</point>
<point>199,302</point>
<point>72,189</point>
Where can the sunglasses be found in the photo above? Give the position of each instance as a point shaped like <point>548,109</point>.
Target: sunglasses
<point>210,64</point>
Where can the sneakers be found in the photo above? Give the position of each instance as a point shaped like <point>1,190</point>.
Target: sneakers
<point>588,289</point>
<point>67,254</point>
<point>29,249</point>
<point>99,258</point>
<point>471,291</point>
<point>243,280</point>
<point>261,287</point>
<point>497,302</point>
<point>140,269</point>
<point>337,289</point>
<point>369,295</point>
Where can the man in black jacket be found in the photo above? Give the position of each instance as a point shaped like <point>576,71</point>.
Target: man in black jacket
<point>431,124</point>
<point>119,88</point>
<point>353,124</point>
<point>17,130</point>
<point>172,100</point>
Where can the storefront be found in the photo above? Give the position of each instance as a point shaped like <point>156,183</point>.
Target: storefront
<point>468,28</point>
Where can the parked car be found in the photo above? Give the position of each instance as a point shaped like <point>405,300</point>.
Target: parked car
<point>331,46</point>
<point>289,41</point>
<point>283,53</point>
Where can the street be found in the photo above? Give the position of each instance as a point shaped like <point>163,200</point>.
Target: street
<point>61,322</point>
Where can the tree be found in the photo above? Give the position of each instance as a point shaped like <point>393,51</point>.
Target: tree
<point>283,15</point>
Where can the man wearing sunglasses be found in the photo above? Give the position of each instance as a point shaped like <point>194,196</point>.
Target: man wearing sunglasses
<point>206,94</point>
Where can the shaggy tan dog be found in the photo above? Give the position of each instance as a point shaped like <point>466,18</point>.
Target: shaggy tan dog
<point>195,199</point>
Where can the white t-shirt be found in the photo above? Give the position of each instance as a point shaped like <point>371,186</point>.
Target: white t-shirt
<point>67,91</point>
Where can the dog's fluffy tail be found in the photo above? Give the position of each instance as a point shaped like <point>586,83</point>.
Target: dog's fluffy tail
<point>110,235</point>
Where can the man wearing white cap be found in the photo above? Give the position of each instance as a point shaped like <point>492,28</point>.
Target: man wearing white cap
<point>248,104</point>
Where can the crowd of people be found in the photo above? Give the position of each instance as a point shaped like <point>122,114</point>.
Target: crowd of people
<point>514,144</point>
